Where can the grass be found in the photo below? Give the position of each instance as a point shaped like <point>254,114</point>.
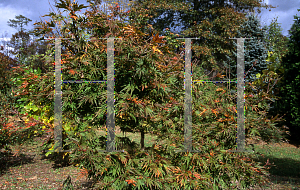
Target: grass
<point>283,161</point>
<point>31,171</point>
<point>149,138</point>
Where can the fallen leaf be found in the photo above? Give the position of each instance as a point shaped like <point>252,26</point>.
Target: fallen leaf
<point>33,178</point>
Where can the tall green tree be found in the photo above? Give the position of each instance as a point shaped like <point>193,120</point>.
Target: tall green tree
<point>23,44</point>
<point>255,49</point>
<point>21,39</point>
<point>6,63</point>
<point>277,45</point>
<point>19,22</point>
<point>20,42</point>
<point>289,87</point>
<point>212,21</point>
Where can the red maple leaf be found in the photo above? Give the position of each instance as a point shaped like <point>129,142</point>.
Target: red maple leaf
<point>72,72</point>
<point>130,181</point>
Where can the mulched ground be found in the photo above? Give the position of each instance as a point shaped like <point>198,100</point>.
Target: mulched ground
<point>25,169</point>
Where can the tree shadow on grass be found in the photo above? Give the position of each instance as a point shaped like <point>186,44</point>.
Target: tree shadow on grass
<point>281,169</point>
<point>295,143</point>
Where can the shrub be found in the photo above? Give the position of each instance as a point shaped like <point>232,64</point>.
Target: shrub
<point>149,96</point>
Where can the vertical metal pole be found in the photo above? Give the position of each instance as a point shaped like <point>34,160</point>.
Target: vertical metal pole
<point>58,99</point>
<point>240,136</point>
<point>240,96</point>
<point>188,98</point>
<point>110,122</point>
<point>188,145</point>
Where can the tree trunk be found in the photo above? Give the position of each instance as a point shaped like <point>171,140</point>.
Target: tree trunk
<point>142,139</point>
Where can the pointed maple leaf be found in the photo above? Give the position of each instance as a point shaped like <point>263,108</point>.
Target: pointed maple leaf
<point>157,39</point>
<point>130,181</point>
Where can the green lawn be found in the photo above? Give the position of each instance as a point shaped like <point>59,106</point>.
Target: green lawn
<point>284,165</point>
<point>136,137</point>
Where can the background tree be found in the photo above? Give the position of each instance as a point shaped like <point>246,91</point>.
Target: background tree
<point>276,41</point>
<point>11,132</point>
<point>212,21</point>
<point>4,44</point>
<point>255,48</point>
<point>277,45</point>
<point>6,63</point>
<point>289,87</point>
<point>16,72</point>
<point>19,40</point>
<point>23,44</point>
<point>19,23</point>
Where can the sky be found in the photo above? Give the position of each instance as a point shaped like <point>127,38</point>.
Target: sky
<point>34,9</point>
